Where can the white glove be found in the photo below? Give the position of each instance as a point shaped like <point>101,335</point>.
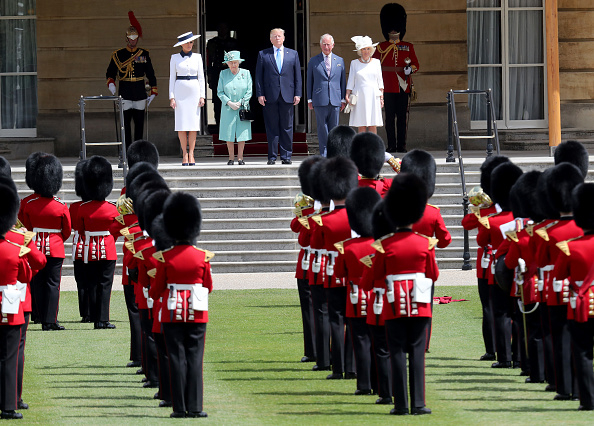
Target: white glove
<point>149,99</point>
<point>234,105</point>
<point>387,156</point>
<point>112,88</point>
<point>407,70</point>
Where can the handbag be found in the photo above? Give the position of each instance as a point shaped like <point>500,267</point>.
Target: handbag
<point>245,114</point>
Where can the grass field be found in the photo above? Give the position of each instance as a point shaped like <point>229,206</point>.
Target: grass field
<point>252,373</point>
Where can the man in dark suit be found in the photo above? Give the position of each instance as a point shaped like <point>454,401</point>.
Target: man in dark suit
<point>278,87</point>
<point>326,87</point>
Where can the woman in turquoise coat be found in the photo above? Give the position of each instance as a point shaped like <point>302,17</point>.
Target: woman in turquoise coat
<point>234,90</point>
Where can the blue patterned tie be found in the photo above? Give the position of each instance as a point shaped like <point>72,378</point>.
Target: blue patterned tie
<point>279,63</point>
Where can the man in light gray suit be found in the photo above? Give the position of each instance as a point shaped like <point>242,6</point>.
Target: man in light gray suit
<point>326,88</point>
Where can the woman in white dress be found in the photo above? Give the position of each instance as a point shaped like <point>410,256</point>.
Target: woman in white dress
<point>366,83</point>
<point>186,94</point>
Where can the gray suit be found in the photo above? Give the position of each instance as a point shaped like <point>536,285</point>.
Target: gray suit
<point>326,91</point>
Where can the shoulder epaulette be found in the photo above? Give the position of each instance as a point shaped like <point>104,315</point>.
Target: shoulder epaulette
<point>139,255</point>
<point>152,272</point>
<point>340,245</point>
<point>207,254</point>
<point>530,229</point>
<point>512,235</point>
<point>432,241</point>
<point>159,256</point>
<point>29,235</point>
<point>542,232</point>
<point>24,250</point>
<point>435,207</point>
<point>134,236</point>
<point>130,246</point>
<point>59,201</point>
<point>19,224</point>
<point>564,245</point>
<point>484,220</point>
<point>120,220</point>
<point>304,222</point>
<point>367,260</point>
<point>377,244</point>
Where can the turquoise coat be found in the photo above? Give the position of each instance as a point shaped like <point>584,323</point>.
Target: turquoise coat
<point>234,88</point>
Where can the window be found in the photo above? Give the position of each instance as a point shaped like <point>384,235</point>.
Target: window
<point>506,52</point>
<point>18,68</point>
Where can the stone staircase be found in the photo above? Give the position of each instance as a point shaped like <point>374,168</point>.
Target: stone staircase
<point>247,210</point>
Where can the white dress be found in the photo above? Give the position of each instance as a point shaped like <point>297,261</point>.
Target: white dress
<point>365,81</point>
<point>187,93</point>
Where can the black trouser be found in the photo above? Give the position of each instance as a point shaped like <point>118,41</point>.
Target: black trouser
<point>163,362</point>
<point>360,336</point>
<point>503,325</point>
<point>564,380</point>
<point>134,318</point>
<point>149,350</point>
<point>46,287</point>
<point>582,337</point>
<point>10,336</point>
<point>185,348</point>
<point>100,280</point>
<point>80,276</point>
<point>407,336</point>
<point>216,104</point>
<point>535,364</point>
<point>381,372</point>
<point>549,359</point>
<point>21,361</point>
<point>138,116</point>
<point>396,105</point>
<point>484,290</point>
<point>336,309</point>
<point>309,349</point>
<point>322,325</point>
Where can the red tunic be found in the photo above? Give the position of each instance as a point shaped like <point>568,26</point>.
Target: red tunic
<point>14,267</point>
<point>183,264</point>
<point>470,222</point>
<point>492,236</point>
<point>50,219</point>
<point>100,228</point>
<point>520,249</point>
<point>393,56</point>
<point>432,225</point>
<point>138,256</point>
<point>132,229</point>
<point>381,185</point>
<point>404,252</point>
<point>334,228</point>
<point>368,284</point>
<point>584,298</point>
<point>303,239</point>
<point>349,268</point>
<point>317,263</point>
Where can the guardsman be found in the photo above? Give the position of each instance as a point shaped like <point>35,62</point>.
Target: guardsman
<point>405,269</point>
<point>575,264</point>
<point>339,141</point>
<point>348,267</point>
<point>15,270</point>
<point>47,216</point>
<point>399,62</point>
<point>304,206</point>
<point>369,154</point>
<point>130,66</point>
<point>98,222</point>
<point>183,279</point>
<point>490,233</point>
<point>561,180</point>
<point>339,176</point>
<point>482,206</point>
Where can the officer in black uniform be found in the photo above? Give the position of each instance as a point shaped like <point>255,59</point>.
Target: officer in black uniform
<point>130,65</point>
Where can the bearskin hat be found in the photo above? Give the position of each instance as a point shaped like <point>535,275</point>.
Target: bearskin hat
<point>8,208</point>
<point>543,206</point>
<point>79,185</point>
<point>487,168</point>
<point>30,167</point>
<point>422,164</point>
<point>406,200</point>
<point>150,204</point>
<point>339,176</point>
<point>182,216</point>
<point>5,167</point>
<point>575,153</point>
<point>523,198</point>
<point>369,154</point>
<point>142,150</point>
<point>583,205</point>
<point>503,178</point>
<point>380,222</point>
<point>7,180</point>
<point>316,184</point>
<point>47,175</point>
<point>136,186</point>
<point>563,178</point>
<point>360,204</point>
<point>159,235</point>
<point>138,168</point>
<point>393,18</point>
<point>97,178</point>
<point>303,172</point>
<point>339,141</point>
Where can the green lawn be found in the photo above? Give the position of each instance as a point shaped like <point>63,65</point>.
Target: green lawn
<point>252,373</point>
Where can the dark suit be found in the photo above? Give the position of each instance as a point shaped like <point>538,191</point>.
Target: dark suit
<point>325,91</point>
<point>279,89</point>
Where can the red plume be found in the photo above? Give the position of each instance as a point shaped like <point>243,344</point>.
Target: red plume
<point>134,22</point>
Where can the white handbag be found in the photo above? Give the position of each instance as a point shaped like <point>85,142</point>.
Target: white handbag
<point>421,292</point>
<point>200,298</point>
<point>11,300</point>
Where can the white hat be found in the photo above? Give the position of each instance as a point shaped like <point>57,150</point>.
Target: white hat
<point>185,38</point>
<point>363,41</point>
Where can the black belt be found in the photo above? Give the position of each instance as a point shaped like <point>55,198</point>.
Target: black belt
<point>186,77</point>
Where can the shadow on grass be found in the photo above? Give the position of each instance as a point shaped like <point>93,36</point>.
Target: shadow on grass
<point>486,389</point>
<point>498,399</point>
<point>265,379</point>
<point>70,373</point>
<point>61,367</point>
<point>264,370</point>
<point>471,380</point>
<point>305,393</point>
<point>330,413</point>
<point>274,306</point>
<point>525,409</point>
<point>118,397</point>
<point>88,385</point>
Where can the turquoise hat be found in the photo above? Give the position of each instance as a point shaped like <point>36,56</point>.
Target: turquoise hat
<point>233,55</point>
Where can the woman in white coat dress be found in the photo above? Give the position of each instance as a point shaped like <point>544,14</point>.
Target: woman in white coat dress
<point>186,94</point>
<point>366,83</point>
